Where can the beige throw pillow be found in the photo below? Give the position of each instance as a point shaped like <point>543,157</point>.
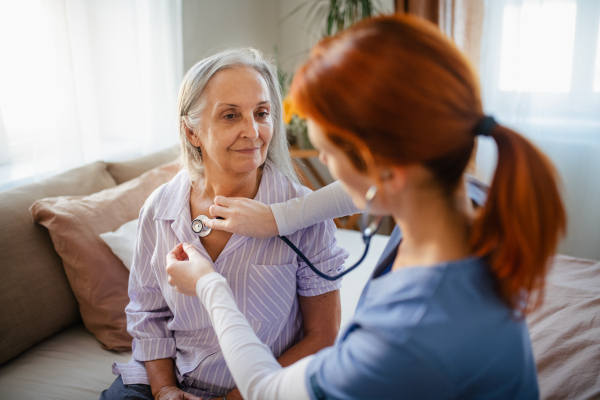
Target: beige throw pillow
<point>98,278</point>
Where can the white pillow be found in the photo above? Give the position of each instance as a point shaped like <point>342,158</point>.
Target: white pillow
<point>122,241</point>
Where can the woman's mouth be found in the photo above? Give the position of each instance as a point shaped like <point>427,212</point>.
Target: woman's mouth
<point>248,150</point>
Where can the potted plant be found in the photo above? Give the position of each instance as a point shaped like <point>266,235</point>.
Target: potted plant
<point>331,17</point>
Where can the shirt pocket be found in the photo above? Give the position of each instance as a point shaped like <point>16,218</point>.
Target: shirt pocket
<point>271,291</point>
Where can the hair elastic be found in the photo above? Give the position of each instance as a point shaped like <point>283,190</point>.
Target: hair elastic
<point>485,126</point>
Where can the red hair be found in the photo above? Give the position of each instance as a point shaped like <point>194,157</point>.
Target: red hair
<point>394,90</point>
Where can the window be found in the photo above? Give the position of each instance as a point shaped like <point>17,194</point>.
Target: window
<point>540,74</point>
<point>547,50</point>
<point>536,54</point>
<point>85,80</point>
<point>597,73</point>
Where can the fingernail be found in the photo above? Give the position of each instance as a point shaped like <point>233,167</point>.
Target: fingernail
<point>186,244</point>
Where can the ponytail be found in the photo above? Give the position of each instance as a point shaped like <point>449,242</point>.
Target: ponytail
<point>520,225</point>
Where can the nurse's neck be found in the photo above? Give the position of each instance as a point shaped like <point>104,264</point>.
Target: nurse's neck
<point>435,225</point>
<point>231,183</point>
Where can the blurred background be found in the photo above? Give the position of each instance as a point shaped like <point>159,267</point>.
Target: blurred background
<point>87,80</point>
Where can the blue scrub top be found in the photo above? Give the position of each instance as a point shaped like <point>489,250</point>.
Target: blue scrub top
<point>436,332</point>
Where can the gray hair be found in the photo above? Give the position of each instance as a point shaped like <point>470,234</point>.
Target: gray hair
<point>191,103</point>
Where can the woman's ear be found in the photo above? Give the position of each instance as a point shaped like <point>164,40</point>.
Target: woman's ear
<point>193,137</point>
<point>394,177</point>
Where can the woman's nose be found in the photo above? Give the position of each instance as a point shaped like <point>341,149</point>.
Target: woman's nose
<point>250,129</point>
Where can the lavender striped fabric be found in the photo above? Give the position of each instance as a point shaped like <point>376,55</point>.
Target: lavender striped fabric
<point>265,276</point>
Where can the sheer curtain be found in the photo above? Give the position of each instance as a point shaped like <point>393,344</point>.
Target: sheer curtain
<point>84,80</point>
<point>540,72</point>
<point>461,20</point>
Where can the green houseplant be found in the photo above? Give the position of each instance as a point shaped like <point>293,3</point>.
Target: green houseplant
<point>336,15</point>
<point>330,17</point>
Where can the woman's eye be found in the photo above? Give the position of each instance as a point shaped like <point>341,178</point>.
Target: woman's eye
<point>263,114</point>
<point>229,116</point>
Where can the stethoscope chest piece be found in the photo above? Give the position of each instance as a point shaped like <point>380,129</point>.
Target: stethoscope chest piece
<point>199,227</point>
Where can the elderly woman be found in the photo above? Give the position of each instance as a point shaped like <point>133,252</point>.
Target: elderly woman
<point>233,144</point>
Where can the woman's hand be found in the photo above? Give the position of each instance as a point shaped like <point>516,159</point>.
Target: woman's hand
<point>174,393</point>
<point>183,275</point>
<point>242,216</point>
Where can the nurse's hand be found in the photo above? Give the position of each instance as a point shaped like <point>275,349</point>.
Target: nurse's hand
<point>243,216</point>
<point>185,267</point>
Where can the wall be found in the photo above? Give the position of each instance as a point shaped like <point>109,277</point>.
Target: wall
<point>213,25</point>
<point>295,39</point>
<point>210,26</point>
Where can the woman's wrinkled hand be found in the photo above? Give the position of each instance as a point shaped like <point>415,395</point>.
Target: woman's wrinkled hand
<point>242,216</point>
<point>174,393</point>
<point>185,267</point>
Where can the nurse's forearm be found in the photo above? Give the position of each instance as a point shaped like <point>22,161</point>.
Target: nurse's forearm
<point>250,361</point>
<point>309,345</point>
<point>326,203</point>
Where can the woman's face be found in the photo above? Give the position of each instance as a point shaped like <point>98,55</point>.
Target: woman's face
<point>236,126</point>
<point>355,183</point>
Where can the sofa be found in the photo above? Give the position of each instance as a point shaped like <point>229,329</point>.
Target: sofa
<point>58,341</point>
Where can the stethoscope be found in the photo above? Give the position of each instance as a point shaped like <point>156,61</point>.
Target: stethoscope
<point>199,227</point>
<point>368,230</point>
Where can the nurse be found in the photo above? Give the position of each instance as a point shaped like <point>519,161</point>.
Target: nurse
<point>393,103</point>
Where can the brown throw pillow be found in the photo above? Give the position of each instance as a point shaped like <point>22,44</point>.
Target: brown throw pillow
<point>98,278</point>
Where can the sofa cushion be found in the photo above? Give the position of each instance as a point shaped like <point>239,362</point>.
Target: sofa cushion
<point>36,299</point>
<point>127,170</point>
<point>68,366</point>
<point>97,277</point>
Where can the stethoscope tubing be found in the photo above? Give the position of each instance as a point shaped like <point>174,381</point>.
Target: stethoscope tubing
<point>199,227</point>
<point>367,240</point>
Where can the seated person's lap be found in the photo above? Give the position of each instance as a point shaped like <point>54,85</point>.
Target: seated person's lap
<point>120,391</point>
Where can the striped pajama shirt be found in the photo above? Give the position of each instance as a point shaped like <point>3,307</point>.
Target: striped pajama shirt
<point>265,275</point>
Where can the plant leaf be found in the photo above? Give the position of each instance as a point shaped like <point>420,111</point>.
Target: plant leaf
<point>294,11</point>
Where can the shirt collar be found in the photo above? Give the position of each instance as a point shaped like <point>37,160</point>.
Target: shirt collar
<point>176,194</point>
